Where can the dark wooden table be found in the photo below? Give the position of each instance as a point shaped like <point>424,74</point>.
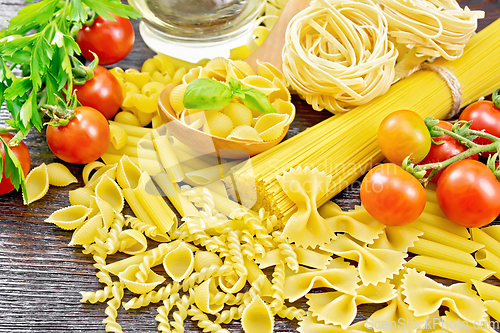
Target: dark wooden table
<point>40,275</point>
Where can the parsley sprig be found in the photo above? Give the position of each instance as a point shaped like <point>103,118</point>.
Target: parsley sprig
<point>38,41</point>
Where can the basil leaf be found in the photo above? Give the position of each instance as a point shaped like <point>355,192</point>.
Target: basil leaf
<point>257,100</point>
<point>207,94</point>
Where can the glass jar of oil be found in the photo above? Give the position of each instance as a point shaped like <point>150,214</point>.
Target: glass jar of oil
<point>197,29</point>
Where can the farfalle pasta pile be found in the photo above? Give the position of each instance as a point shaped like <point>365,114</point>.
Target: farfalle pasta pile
<point>222,262</point>
<point>237,121</point>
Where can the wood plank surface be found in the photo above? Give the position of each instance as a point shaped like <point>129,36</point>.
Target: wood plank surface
<point>41,276</point>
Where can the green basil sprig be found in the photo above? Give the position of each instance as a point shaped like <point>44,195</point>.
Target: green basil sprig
<point>209,94</point>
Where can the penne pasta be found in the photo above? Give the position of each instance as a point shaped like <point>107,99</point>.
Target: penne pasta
<point>209,175</point>
<point>493,309</point>
<point>489,261</point>
<point>136,206</point>
<point>493,231</point>
<point>489,242</point>
<point>448,269</point>
<point>437,250</point>
<point>168,158</point>
<point>172,190</point>
<point>151,166</point>
<point>131,130</point>
<point>487,291</point>
<point>443,223</point>
<point>447,238</point>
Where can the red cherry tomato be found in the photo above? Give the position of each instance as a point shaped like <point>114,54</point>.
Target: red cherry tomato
<point>392,195</point>
<point>484,115</point>
<point>83,140</point>
<point>404,133</point>
<point>110,40</point>
<point>450,147</point>
<point>468,193</point>
<point>102,92</point>
<point>22,154</point>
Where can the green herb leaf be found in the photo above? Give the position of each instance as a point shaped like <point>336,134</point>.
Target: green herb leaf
<point>104,8</point>
<point>12,168</point>
<point>257,100</point>
<point>76,11</point>
<point>18,88</point>
<point>33,15</point>
<point>207,94</point>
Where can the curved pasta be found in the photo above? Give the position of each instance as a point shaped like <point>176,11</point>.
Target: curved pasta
<point>259,83</point>
<point>244,133</point>
<point>178,263</point>
<point>424,296</point>
<point>81,196</point>
<point>218,125</point>
<point>257,317</point>
<point>139,79</point>
<point>59,175</point>
<point>127,118</point>
<point>269,71</point>
<point>129,279</point>
<point>203,296</point>
<point>119,137</point>
<point>240,114</point>
<point>127,173</point>
<point>306,227</point>
<point>397,238</point>
<point>309,324</point>
<point>86,233</point>
<point>337,54</point>
<point>69,218</point>
<point>132,242</point>
<point>176,98</point>
<point>271,125</point>
<point>109,191</point>
<point>106,170</point>
<point>106,210</point>
<point>37,184</point>
<point>285,107</point>
<point>204,259</point>
<point>193,74</point>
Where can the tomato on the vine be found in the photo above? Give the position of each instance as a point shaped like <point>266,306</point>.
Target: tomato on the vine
<point>102,92</point>
<point>110,40</point>
<point>22,154</point>
<point>84,139</point>
<point>403,133</point>
<point>392,195</point>
<point>468,193</point>
<point>485,116</point>
<point>448,148</point>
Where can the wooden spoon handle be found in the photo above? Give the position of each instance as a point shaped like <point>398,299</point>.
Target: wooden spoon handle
<point>272,48</point>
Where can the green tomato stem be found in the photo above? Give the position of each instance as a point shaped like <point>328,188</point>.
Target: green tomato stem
<point>7,129</point>
<point>485,135</point>
<point>19,136</point>
<point>459,138</point>
<point>496,98</point>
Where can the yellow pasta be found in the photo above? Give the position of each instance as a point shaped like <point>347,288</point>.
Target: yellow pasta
<point>218,125</point>
<point>168,158</point>
<point>132,242</point>
<point>118,136</point>
<point>37,184</point>
<point>436,250</point>
<point>244,133</point>
<point>81,196</point>
<point>176,97</point>
<point>127,118</point>
<point>493,309</point>
<point>59,175</point>
<point>448,269</point>
<point>86,233</point>
<point>259,83</point>
<point>69,218</point>
<point>489,261</point>
<point>137,78</point>
<point>179,262</point>
<point>109,191</point>
<point>129,278</point>
<point>239,114</point>
<point>257,317</point>
<point>493,231</point>
<point>164,64</point>
<point>490,244</point>
<point>270,126</point>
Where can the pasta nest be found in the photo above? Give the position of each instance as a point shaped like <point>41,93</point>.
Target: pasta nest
<point>337,54</point>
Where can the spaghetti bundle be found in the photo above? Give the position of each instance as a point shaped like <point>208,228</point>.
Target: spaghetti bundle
<point>337,54</point>
<point>345,145</point>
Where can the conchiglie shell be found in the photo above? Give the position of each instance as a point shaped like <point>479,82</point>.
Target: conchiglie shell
<point>243,66</point>
<point>229,287</point>
<point>93,206</point>
<point>87,232</point>
<point>81,196</point>
<point>282,92</point>
<point>193,74</point>
<point>218,64</point>
<point>128,278</point>
<point>119,137</point>
<point>219,75</point>
<point>270,72</point>
<point>127,173</point>
<point>106,211</point>
<point>270,126</point>
<point>88,168</point>
<point>132,242</point>
<point>109,191</point>
<point>239,114</point>
<point>59,175</point>
<point>203,295</point>
<point>126,117</point>
<point>153,87</point>
<point>218,125</point>
<point>205,259</point>
<point>259,83</point>
<point>160,238</point>
<point>37,184</point>
<point>257,317</point>
<point>69,218</point>
<point>179,262</point>
<point>244,133</point>
<point>287,108</point>
<point>234,72</point>
<point>108,171</point>
<point>194,120</point>
<point>176,98</point>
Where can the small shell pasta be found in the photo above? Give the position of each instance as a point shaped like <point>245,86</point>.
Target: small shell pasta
<point>257,317</point>
<point>108,190</point>
<point>245,133</point>
<point>132,242</point>
<point>69,218</point>
<point>37,184</point>
<point>270,126</point>
<point>259,83</point>
<point>239,114</point>
<point>204,259</point>
<point>59,175</point>
<point>81,196</point>
<point>218,125</point>
<point>128,277</point>
<point>176,97</point>
<point>87,232</point>
<point>179,262</point>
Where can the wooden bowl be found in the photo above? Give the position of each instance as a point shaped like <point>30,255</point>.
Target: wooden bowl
<point>204,142</point>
